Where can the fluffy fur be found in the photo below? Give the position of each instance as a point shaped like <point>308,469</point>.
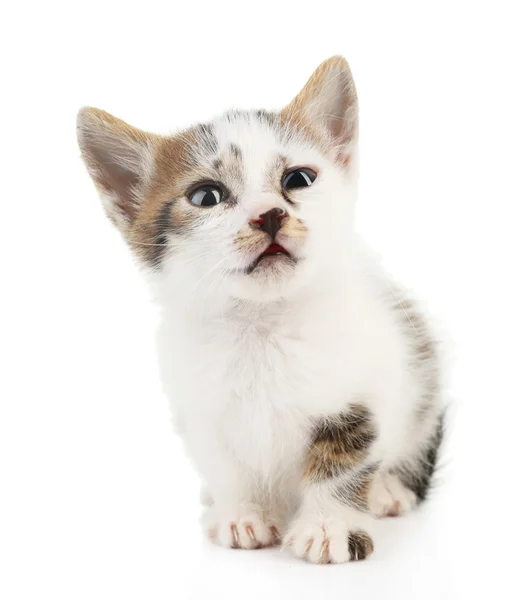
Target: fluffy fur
<point>306,387</point>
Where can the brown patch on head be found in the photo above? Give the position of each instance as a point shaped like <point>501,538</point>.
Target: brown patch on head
<point>143,178</point>
<point>178,165</point>
<point>229,168</point>
<point>269,118</point>
<point>340,443</point>
<point>326,110</point>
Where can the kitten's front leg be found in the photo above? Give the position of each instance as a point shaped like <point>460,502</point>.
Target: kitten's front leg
<point>332,523</point>
<point>238,513</point>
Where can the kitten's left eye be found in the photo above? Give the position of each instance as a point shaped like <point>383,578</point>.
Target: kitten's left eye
<point>299,178</point>
<point>208,195</point>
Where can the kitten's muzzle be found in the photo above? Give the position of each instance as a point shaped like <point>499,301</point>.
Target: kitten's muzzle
<point>271,221</point>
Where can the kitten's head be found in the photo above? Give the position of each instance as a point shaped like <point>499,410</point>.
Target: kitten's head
<point>255,203</point>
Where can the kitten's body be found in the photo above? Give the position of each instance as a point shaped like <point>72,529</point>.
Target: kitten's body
<point>306,389</point>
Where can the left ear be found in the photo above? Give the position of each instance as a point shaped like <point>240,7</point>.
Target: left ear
<point>328,104</point>
<point>118,158</point>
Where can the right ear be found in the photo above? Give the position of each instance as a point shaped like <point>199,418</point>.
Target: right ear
<point>328,103</point>
<point>118,158</point>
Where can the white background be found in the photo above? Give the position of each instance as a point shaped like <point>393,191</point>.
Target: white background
<point>96,497</point>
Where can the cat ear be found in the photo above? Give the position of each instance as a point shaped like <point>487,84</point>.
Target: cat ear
<point>118,158</point>
<point>328,104</point>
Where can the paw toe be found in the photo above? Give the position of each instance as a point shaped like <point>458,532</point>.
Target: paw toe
<point>388,497</point>
<point>325,543</point>
<point>248,529</point>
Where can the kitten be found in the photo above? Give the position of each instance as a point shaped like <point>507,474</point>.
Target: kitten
<point>305,384</point>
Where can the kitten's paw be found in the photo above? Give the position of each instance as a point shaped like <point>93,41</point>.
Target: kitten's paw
<point>246,526</point>
<point>327,540</point>
<point>388,497</point>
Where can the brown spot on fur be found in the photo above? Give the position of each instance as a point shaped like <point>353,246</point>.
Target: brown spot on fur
<point>340,443</point>
<point>175,170</point>
<point>230,169</point>
<point>360,545</point>
<point>268,117</point>
<point>147,177</point>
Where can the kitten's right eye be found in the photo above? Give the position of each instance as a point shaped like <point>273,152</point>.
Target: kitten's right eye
<point>299,178</point>
<point>208,195</point>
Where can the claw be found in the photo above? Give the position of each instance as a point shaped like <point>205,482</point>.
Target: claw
<point>250,532</point>
<point>309,545</point>
<point>236,539</point>
<point>324,552</point>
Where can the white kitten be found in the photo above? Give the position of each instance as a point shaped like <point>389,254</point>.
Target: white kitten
<point>304,383</point>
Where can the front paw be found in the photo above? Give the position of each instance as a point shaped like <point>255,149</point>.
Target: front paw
<point>388,497</point>
<point>245,526</point>
<point>327,540</point>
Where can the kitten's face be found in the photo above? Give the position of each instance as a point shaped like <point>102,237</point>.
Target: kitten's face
<point>254,203</point>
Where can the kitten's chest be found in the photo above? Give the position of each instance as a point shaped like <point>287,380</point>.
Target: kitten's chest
<point>261,385</point>
<point>241,384</point>
<point>265,368</point>
<point>254,364</point>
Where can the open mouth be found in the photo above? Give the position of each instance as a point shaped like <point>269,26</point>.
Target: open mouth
<point>272,251</point>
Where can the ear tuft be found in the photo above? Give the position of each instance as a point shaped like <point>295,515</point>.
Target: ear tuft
<point>118,158</point>
<point>328,104</point>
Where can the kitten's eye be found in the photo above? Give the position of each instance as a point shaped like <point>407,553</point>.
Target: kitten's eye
<point>299,178</point>
<point>208,195</point>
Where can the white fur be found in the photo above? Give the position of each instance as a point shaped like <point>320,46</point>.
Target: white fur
<point>249,365</point>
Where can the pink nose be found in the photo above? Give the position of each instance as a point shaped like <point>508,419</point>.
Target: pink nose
<point>271,221</point>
